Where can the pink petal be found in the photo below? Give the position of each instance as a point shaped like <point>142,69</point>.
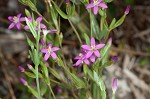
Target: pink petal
<point>42,42</point>
<point>92,58</point>
<point>39,19</point>
<point>89,53</point>
<point>53,55</point>
<point>78,62</point>
<point>87,47</point>
<point>44,50</point>
<point>99,46</point>
<point>92,41</point>
<point>89,6</point>
<point>95,10</point>
<point>10,18</point>
<point>47,55</point>
<point>18,15</point>
<point>50,45</point>
<point>96,52</point>
<point>18,26</point>
<point>26,27</point>
<point>11,25</point>
<point>86,61</point>
<point>77,57</point>
<point>42,26</point>
<point>102,5</point>
<point>55,48</point>
<point>22,19</point>
<point>53,31</point>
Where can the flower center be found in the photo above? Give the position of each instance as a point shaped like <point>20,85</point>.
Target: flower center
<point>93,48</point>
<point>96,2</point>
<point>80,55</point>
<point>15,19</point>
<point>49,50</point>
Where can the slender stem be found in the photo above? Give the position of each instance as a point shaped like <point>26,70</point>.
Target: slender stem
<point>91,23</point>
<point>37,82</point>
<point>75,31</point>
<point>52,91</point>
<point>113,96</point>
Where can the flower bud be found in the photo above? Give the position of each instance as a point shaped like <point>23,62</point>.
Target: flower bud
<point>21,68</point>
<point>23,81</point>
<point>110,41</point>
<point>127,10</point>
<point>29,66</point>
<point>114,85</point>
<point>114,58</point>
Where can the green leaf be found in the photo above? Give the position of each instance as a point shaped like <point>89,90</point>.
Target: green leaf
<point>108,1</point>
<point>29,74</point>
<point>70,9</point>
<point>44,69</point>
<point>54,73</point>
<point>28,3</point>
<point>62,14</point>
<point>31,27</point>
<point>101,12</point>
<point>27,13</point>
<point>36,59</point>
<point>112,25</point>
<point>44,88</point>
<point>77,81</point>
<point>120,21</point>
<point>30,42</point>
<point>60,62</point>
<point>33,91</point>
<point>95,27</point>
<point>87,39</point>
<point>101,84</point>
<point>54,15</point>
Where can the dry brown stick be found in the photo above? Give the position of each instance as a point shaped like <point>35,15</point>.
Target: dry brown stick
<point>145,32</point>
<point>6,76</point>
<point>138,53</point>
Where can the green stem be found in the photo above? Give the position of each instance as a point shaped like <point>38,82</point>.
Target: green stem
<point>91,23</point>
<point>113,96</point>
<point>75,31</point>
<point>52,91</point>
<point>37,82</point>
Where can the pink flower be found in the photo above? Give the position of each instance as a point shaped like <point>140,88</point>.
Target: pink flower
<point>37,22</point>
<point>92,49</point>
<point>95,4</point>
<point>49,52</point>
<point>127,10</point>
<point>15,21</point>
<point>81,59</point>
<point>45,31</point>
<point>114,85</point>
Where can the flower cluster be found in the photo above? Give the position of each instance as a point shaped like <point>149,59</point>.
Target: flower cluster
<point>95,4</point>
<point>49,50</point>
<point>89,52</point>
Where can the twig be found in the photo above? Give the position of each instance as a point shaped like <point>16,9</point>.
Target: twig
<point>130,52</point>
<point>145,32</point>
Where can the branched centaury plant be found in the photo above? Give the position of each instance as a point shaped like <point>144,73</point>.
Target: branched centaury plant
<point>92,58</point>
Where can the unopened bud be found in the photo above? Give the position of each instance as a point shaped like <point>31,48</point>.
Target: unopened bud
<point>29,66</point>
<point>127,10</point>
<point>21,68</point>
<point>114,85</point>
<point>23,81</point>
